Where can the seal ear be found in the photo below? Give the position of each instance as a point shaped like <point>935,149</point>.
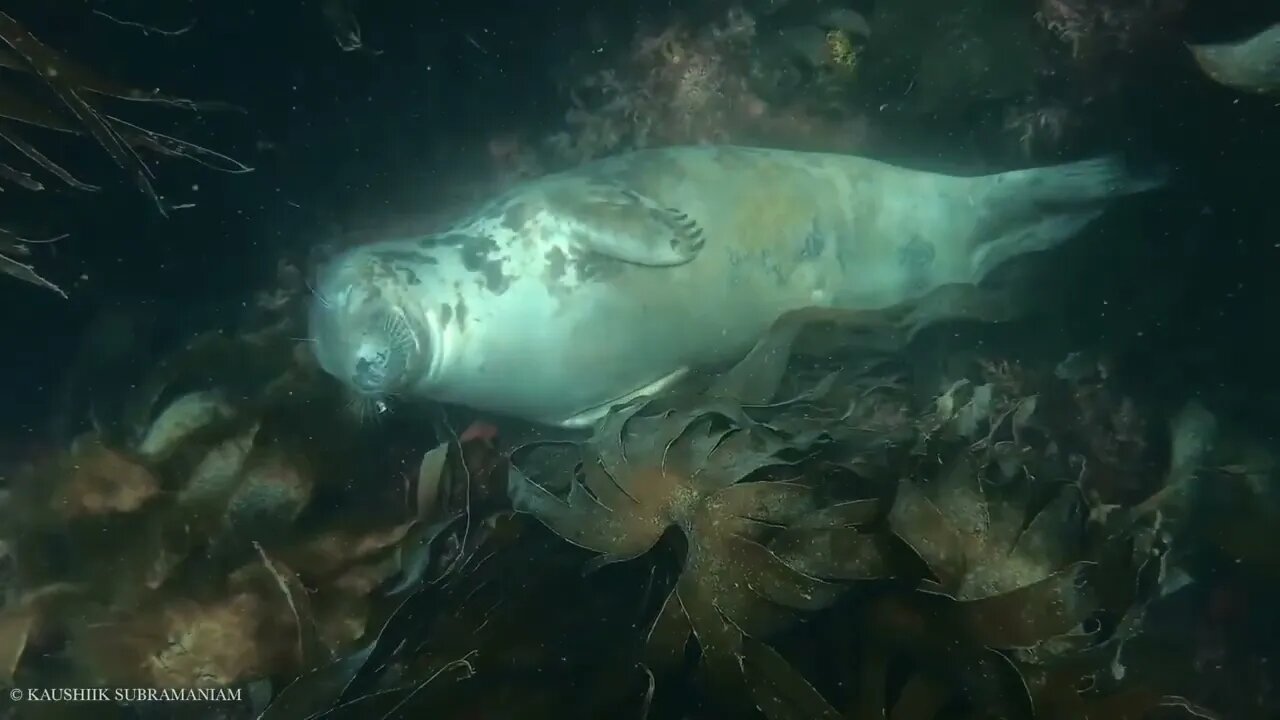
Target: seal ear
<point>627,226</point>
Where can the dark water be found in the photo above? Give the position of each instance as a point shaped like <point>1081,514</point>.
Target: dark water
<point>1179,288</point>
<point>326,130</point>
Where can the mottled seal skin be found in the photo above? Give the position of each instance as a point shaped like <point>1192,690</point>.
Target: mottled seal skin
<point>575,291</point>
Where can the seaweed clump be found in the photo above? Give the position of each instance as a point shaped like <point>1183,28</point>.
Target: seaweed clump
<point>42,88</point>
<point>805,535</point>
<point>687,82</point>
<point>646,472</point>
<point>802,537</point>
<point>981,568</point>
<point>187,540</point>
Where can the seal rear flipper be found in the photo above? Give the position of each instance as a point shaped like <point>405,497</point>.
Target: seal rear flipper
<point>627,226</point>
<point>1026,211</point>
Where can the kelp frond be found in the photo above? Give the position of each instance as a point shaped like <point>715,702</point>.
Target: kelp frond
<point>992,575</point>
<point>697,471</point>
<point>72,108</point>
<point>13,246</point>
<point>735,486</point>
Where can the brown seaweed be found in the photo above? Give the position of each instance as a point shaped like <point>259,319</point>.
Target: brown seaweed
<point>179,535</point>
<point>71,84</point>
<point>840,554</point>
<point>1013,571</point>
<point>12,246</point>
<point>757,536</point>
<point>46,64</point>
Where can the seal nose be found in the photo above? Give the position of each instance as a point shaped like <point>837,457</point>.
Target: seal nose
<point>378,368</point>
<point>369,375</point>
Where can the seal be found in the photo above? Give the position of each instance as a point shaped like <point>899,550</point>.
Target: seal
<point>579,290</point>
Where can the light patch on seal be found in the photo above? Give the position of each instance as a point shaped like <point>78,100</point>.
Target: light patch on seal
<point>572,232</point>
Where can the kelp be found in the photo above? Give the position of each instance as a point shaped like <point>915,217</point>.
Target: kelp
<point>14,246</point>
<point>1033,588</point>
<point>647,474</point>
<point>1021,590</point>
<point>738,489</point>
<point>72,102</point>
<point>487,633</point>
<point>799,536</point>
<point>181,535</point>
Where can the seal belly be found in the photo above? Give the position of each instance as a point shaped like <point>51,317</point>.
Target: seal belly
<point>551,356</point>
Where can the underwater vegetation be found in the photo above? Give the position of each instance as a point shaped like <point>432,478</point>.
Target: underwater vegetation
<point>828,529</point>
<point>1096,28</point>
<point>796,537</point>
<point>985,565</point>
<point>1030,79</point>
<point>42,88</point>
<point>742,78</point>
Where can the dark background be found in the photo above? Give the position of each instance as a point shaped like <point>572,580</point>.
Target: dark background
<point>333,134</point>
<point>326,131</point>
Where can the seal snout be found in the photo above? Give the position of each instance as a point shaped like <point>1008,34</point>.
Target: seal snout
<point>382,348</point>
<point>367,341</point>
<point>378,368</point>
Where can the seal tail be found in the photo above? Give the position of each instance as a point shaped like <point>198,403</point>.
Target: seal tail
<point>1025,211</point>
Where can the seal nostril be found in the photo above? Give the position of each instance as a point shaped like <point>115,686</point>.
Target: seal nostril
<point>368,376</point>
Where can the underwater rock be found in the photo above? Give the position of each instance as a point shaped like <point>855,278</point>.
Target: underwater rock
<point>1193,432</point>
<point>180,419</point>
<point>966,53</point>
<point>217,474</point>
<point>273,490</point>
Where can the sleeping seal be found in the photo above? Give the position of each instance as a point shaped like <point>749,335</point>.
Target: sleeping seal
<point>579,290</point>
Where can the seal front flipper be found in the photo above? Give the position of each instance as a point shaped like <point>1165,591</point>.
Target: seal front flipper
<point>625,225</point>
<point>589,417</point>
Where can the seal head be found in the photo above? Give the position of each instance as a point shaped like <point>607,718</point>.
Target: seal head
<point>366,333</point>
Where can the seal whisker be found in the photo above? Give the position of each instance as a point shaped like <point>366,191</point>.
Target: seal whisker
<point>369,407</point>
<point>324,302</point>
<point>399,334</point>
